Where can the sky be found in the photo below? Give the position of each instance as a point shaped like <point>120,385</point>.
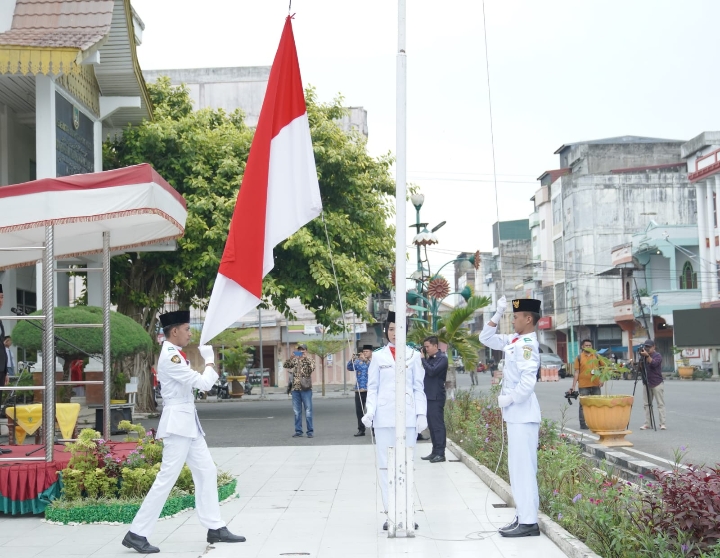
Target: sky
<point>561,71</point>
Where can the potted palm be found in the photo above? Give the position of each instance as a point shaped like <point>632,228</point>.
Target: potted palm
<point>608,415</point>
<point>685,371</point>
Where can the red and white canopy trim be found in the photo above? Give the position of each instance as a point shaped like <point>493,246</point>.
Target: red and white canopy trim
<point>134,203</point>
<point>279,193</point>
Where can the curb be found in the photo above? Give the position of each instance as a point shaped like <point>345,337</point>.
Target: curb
<point>569,544</point>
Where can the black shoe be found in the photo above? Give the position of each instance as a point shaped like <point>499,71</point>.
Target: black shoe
<point>359,433</point>
<point>420,438</point>
<point>438,459</point>
<point>223,535</point>
<point>428,457</point>
<point>296,435</point>
<point>522,530</point>
<point>139,543</point>
<point>509,526</point>
<point>385,526</point>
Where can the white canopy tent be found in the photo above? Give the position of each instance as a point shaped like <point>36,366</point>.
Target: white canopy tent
<point>56,218</point>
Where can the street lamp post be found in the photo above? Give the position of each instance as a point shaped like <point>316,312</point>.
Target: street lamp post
<point>417,201</point>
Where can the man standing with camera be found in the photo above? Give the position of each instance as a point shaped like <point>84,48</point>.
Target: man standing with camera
<point>586,365</point>
<point>655,383</point>
<point>435,363</point>
<point>360,365</point>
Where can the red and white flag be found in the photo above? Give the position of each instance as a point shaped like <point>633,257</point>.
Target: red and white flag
<point>279,193</point>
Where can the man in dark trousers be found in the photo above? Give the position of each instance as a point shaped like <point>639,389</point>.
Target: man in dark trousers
<point>3,354</point>
<point>435,364</point>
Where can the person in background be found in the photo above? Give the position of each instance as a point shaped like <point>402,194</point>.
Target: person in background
<point>3,354</point>
<point>435,363</point>
<point>586,365</point>
<point>10,359</point>
<point>360,366</point>
<point>302,367</point>
<point>655,383</point>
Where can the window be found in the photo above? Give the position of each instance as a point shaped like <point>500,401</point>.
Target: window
<point>688,279</point>
<point>627,290</point>
<point>557,210</point>
<point>542,224</point>
<point>560,298</point>
<point>558,253</point>
<point>26,301</point>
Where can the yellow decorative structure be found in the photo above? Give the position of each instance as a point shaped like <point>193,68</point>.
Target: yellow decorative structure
<point>36,60</point>
<point>29,419</point>
<point>608,416</point>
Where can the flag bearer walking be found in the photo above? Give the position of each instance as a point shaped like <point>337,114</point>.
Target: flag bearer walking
<point>183,439</point>
<point>520,408</point>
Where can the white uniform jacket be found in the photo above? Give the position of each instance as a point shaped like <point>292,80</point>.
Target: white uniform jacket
<point>522,359</point>
<point>381,388</point>
<point>177,381</point>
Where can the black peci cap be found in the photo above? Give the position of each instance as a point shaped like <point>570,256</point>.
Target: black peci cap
<point>0,288</point>
<point>175,318</point>
<point>526,305</point>
<point>390,317</point>
<point>367,348</point>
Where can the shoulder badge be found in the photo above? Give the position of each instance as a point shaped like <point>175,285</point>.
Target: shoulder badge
<point>170,348</point>
<point>527,340</point>
<point>175,359</point>
<point>527,352</point>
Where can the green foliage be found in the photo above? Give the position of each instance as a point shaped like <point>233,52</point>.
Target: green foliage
<point>325,347</point>
<point>129,427</point>
<point>674,516</point>
<point>136,482</point>
<point>203,154</point>
<point>185,480</point>
<point>451,331</point>
<point>127,338</point>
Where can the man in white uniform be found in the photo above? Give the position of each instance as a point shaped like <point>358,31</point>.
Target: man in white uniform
<point>183,439</point>
<point>380,404</point>
<point>520,408</point>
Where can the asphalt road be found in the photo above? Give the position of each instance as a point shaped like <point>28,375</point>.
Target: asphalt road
<point>692,408</point>
<point>693,419</point>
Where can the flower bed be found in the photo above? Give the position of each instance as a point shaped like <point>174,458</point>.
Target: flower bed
<point>676,515</point>
<point>100,486</point>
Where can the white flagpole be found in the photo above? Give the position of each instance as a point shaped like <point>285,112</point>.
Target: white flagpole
<point>398,490</point>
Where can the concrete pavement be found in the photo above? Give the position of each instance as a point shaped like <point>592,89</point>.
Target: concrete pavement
<point>317,501</point>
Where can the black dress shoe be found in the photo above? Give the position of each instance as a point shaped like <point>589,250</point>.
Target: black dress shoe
<point>139,543</point>
<point>385,526</point>
<point>223,535</point>
<point>522,530</point>
<point>438,459</point>
<point>509,525</point>
<point>421,438</point>
<point>428,457</point>
<point>359,433</point>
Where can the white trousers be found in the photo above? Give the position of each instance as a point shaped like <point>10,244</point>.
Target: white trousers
<point>522,464</point>
<point>178,450</point>
<point>385,438</point>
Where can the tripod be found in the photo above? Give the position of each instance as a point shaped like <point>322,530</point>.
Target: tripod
<point>641,373</point>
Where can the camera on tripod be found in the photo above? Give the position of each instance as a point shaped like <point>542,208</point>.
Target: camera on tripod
<point>570,395</point>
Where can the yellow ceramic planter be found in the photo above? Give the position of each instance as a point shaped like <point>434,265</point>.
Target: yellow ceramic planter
<point>608,416</point>
<point>686,372</point>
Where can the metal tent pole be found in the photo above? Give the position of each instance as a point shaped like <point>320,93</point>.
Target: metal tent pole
<point>48,344</point>
<point>399,494</point>
<point>106,335</point>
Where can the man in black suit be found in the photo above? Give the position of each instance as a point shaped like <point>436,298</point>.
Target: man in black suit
<point>435,364</point>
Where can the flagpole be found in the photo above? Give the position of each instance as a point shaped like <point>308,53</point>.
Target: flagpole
<point>399,503</point>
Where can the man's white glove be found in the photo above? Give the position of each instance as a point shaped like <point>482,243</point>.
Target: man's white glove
<point>367,420</point>
<point>421,423</point>
<point>501,306</point>
<point>207,352</point>
<point>504,401</point>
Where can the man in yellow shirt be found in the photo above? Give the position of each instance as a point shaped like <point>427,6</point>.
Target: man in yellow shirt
<point>586,364</point>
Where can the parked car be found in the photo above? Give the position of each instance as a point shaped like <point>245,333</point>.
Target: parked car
<point>551,359</point>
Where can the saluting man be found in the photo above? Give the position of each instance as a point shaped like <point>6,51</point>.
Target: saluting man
<point>520,408</point>
<point>183,439</point>
<point>381,402</point>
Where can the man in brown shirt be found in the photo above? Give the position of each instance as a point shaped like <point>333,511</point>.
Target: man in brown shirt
<point>303,367</point>
<point>589,384</point>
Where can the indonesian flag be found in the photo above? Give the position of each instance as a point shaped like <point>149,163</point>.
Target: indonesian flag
<point>279,193</point>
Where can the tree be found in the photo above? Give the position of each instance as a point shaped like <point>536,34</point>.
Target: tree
<point>127,338</point>
<point>323,348</point>
<point>203,154</point>
<point>451,331</point>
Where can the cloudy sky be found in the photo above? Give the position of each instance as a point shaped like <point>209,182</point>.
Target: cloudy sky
<point>560,71</point>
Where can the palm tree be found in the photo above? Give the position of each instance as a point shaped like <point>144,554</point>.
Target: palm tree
<point>450,330</point>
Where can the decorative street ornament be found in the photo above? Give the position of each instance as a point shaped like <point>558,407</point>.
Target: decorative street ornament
<point>392,276</point>
<point>476,260</point>
<point>438,288</point>
<point>425,238</point>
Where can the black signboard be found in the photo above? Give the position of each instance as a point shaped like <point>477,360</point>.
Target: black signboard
<point>75,149</point>
<point>697,328</point>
